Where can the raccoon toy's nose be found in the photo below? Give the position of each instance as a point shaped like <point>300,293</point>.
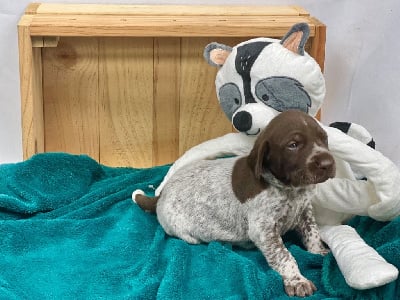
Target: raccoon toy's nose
<point>242,121</point>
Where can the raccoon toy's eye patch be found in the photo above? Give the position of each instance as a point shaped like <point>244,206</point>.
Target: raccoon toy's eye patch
<point>230,99</point>
<point>283,93</point>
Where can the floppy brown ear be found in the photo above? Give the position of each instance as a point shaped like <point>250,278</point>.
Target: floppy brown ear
<point>257,157</point>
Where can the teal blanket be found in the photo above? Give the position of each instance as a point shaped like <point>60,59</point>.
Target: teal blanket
<point>69,230</point>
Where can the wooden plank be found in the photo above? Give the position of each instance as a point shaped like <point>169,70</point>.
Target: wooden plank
<point>201,118</point>
<point>187,10</point>
<point>37,42</point>
<point>37,93</point>
<point>70,90</point>
<point>166,100</point>
<point>46,41</point>
<point>158,26</point>
<point>126,111</point>
<point>31,91</point>
<point>51,41</point>
<point>32,8</point>
<point>300,10</point>
<point>317,50</point>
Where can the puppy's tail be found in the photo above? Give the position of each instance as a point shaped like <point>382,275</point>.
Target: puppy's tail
<point>148,204</point>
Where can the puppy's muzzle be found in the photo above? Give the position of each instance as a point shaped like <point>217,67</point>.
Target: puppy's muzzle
<point>322,165</point>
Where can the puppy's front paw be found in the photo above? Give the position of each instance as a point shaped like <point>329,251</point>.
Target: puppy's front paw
<point>318,248</point>
<point>299,286</point>
<point>323,251</point>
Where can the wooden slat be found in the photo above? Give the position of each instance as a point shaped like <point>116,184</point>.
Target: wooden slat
<point>126,91</point>
<point>167,55</point>
<point>317,50</point>
<point>47,41</point>
<point>31,91</point>
<point>187,10</point>
<point>201,118</point>
<point>158,26</point>
<point>32,8</point>
<point>300,10</point>
<point>70,91</point>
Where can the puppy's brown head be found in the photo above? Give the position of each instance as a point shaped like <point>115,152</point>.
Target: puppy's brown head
<point>294,148</point>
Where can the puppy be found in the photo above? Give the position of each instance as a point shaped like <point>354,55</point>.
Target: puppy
<point>255,198</point>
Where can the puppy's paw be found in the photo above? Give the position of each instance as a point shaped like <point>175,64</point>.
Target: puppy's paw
<point>299,286</point>
<point>318,248</point>
<point>323,251</point>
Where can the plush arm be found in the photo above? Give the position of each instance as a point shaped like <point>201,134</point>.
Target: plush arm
<point>361,266</point>
<point>379,197</point>
<point>229,144</point>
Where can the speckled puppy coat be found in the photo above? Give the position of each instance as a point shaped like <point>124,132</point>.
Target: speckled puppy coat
<point>254,198</point>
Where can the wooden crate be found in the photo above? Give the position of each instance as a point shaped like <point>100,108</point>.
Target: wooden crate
<point>127,84</point>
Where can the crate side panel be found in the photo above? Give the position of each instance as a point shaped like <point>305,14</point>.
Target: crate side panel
<point>30,67</point>
<point>126,93</point>
<point>166,99</point>
<point>70,96</point>
<point>201,117</point>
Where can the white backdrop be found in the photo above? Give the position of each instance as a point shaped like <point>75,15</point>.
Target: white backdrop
<point>362,66</point>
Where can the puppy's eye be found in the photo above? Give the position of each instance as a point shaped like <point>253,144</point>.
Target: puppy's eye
<point>292,145</point>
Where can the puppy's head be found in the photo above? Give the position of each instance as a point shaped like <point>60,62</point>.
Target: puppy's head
<point>294,148</point>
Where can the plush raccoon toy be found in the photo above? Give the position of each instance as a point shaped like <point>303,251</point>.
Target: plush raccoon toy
<point>254,82</point>
<point>262,77</point>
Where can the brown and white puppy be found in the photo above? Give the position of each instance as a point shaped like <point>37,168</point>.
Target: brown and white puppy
<point>255,198</point>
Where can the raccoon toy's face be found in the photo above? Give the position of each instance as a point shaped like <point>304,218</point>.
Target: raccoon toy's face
<point>261,77</point>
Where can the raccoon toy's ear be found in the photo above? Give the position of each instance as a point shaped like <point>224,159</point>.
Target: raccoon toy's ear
<point>296,38</point>
<point>215,54</point>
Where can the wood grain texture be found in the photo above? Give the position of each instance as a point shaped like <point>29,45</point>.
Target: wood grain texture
<point>200,117</point>
<point>127,84</point>
<point>126,97</point>
<point>32,8</point>
<point>30,62</point>
<point>70,92</point>
<point>155,26</point>
<point>183,10</point>
<point>317,50</point>
<point>167,78</point>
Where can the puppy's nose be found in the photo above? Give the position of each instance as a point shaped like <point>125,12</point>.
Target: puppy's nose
<point>242,121</point>
<point>324,161</point>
